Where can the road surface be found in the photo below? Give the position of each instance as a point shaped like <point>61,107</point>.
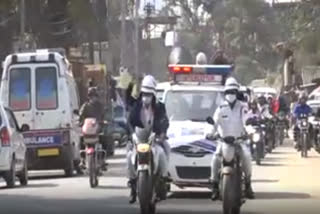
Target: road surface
<point>285,184</point>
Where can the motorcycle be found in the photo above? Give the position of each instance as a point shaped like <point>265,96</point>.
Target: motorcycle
<point>149,184</point>
<point>303,126</point>
<point>231,175</point>
<point>280,128</point>
<point>317,132</point>
<point>94,154</point>
<point>257,145</point>
<point>269,138</point>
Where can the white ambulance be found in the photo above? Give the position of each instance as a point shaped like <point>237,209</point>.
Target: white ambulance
<point>40,89</point>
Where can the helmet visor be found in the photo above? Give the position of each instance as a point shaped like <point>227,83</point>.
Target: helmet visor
<point>231,91</point>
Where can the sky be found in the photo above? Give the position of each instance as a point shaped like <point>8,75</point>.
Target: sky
<point>159,3</point>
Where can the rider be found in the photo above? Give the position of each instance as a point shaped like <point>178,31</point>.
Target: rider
<point>267,117</point>
<point>253,110</point>
<point>301,108</point>
<point>201,58</point>
<point>147,113</point>
<point>264,107</point>
<point>93,108</point>
<point>220,58</point>
<point>284,106</point>
<point>229,120</point>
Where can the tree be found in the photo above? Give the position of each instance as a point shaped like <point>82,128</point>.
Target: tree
<point>301,27</point>
<point>246,30</point>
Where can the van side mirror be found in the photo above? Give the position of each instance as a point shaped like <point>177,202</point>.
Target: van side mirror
<point>210,120</point>
<point>76,112</point>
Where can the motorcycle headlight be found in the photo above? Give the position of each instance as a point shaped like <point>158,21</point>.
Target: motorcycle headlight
<point>304,123</point>
<point>143,148</point>
<point>256,137</point>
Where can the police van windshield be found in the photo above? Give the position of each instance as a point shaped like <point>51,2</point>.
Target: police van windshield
<point>192,105</point>
<point>160,94</point>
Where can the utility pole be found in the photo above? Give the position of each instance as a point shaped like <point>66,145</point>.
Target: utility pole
<point>137,36</point>
<point>22,16</point>
<point>22,23</point>
<point>123,33</point>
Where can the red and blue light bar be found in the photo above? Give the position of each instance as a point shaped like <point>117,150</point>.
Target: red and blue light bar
<point>201,69</point>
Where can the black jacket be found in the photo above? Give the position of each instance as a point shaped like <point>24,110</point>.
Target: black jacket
<point>92,109</point>
<point>160,123</point>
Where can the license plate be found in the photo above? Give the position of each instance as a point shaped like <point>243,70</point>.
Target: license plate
<point>117,135</point>
<point>48,152</point>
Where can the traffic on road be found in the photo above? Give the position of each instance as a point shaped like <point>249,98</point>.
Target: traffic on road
<point>159,107</point>
<point>204,140</point>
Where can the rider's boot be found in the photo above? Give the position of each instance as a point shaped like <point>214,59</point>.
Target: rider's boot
<point>133,192</point>
<point>249,192</point>
<point>104,167</point>
<point>215,191</point>
<point>78,169</point>
<point>297,146</point>
<point>162,189</point>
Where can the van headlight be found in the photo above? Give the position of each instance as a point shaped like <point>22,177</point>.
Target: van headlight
<point>256,137</point>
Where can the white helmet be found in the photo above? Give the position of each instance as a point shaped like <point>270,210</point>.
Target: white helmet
<point>231,84</point>
<point>149,85</point>
<point>201,59</point>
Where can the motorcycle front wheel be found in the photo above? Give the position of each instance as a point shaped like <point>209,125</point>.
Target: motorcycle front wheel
<point>228,195</point>
<point>93,177</point>
<point>304,150</point>
<point>145,193</point>
<point>281,137</point>
<point>258,153</point>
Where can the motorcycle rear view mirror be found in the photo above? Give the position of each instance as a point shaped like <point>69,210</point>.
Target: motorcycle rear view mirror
<point>210,120</point>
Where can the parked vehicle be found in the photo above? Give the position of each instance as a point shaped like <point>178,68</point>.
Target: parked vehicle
<point>13,159</point>
<point>119,132</point>
<point>40,89</point>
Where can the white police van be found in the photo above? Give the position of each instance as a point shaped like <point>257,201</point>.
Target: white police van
<point>194,94</point>
<point>40,89</point>
<point>160,89</point>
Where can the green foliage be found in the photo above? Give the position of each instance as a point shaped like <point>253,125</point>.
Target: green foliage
<point>245,29</point>
<point>301,27</point>
<point>247,69</point>
<point>81,12</point>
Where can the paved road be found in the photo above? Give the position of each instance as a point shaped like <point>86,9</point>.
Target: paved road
<point>285,184</point>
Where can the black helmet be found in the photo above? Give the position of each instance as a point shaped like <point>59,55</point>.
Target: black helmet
<point>262,99</point>
<point>92,92</point>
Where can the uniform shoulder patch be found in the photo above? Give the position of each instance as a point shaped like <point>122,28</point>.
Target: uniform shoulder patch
<point>223,105</point>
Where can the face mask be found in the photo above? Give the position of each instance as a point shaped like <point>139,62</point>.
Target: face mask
<point>93,99</point>
<point>230,98</point>
<point>146,100</point>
